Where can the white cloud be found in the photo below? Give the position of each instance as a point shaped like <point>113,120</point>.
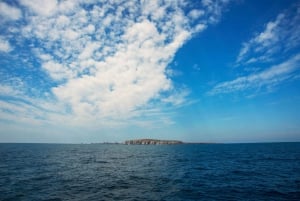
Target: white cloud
<point>70,34</point>
<point>195,14</point>
<point>7,90</point>
<point>9,12</point>
<point>278,37</point>
<point>214,9</point>
<point>178,97</point>
<point>57,71</point>
<point>4,45</point>
<point>13,87</point>
<point>109,60</point>
<point>243,52</point>
<point>126,80</point>
<point>88,50</point>
<point>268,78</point>
<point>62,21</point>
<point>269,35</point>
<point>40,7</point>
<point>18,107</point>
<point>207,2</point>
<point>26,111</point>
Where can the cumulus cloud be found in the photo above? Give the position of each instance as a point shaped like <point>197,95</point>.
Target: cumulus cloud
<point>268,78</point>
<point>279,36</point>
<point>57,71</point>
<point>40,7</point>
<point>195,14</point>
<point>110,60</point>
<point>9,12</point>
<point>4,45</point>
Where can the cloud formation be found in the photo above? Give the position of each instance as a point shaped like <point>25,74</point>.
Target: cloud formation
<point>107,60</point>
<point>4,45</point>
<point>278,37</point>
<point>268,78</point>
<point>273,45</point>
<point>8,12</point>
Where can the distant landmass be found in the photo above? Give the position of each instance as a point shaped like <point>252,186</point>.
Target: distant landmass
<point>151,142</point>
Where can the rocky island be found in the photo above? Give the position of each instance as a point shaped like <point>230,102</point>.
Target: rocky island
<point>151,142</point>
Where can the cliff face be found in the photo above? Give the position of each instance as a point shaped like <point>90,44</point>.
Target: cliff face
<point>152,141</point>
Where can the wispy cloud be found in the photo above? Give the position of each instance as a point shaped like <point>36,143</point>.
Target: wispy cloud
<point>108,60</point>
<point>273,45</point>
<point>278,36</point>
<point>268,78</point>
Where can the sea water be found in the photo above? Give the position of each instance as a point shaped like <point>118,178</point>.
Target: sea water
<point>268,171</point>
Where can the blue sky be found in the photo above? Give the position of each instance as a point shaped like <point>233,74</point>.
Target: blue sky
<point>199,71</point>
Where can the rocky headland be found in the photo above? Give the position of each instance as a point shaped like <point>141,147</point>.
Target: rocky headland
<point>151,142</point>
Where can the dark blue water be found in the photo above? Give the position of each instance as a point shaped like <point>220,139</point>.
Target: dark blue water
<point>154,172</point>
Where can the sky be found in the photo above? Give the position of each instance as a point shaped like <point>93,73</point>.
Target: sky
<point>85,71</point>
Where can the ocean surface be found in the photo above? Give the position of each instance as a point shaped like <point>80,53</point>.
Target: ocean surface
<point>154,172</point>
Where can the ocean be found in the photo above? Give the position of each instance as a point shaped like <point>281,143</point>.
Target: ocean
<point>259,171</point>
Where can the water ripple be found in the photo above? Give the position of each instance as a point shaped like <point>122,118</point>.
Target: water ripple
<point>179,172</point>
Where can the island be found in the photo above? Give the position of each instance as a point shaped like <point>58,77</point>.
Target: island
<point>151,142</point>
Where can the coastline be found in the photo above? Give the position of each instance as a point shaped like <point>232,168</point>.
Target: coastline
<point>152,142</point>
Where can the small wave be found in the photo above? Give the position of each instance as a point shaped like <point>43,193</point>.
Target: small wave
<point>274,193</point>
<point>52,199</point>
<point>201,168</point>
<point>101,161</point>
<point>105,173</point>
